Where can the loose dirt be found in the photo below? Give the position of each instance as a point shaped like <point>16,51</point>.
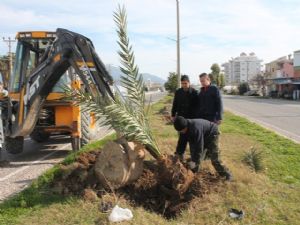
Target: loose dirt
<point>151,193</point>
<point>162,188</point>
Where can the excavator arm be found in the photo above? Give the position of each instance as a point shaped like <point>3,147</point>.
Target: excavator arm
<point>69,49</point>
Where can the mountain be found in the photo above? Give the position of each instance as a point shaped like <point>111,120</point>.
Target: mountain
<point>116,74</point>
<point>153,78</point>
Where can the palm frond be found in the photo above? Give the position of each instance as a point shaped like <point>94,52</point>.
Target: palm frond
<point>132,80</point>
<point>117,115</point>
<point>127,116</point>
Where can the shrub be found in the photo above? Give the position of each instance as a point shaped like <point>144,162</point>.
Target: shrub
<point>243,88</point>
<point>254,159</point>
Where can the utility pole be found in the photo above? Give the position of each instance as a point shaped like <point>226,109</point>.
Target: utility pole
<point>178,44</point>
<point>9,42</point>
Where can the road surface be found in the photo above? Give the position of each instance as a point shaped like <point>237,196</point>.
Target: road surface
<point>18,171</point>
<point>281,116</point>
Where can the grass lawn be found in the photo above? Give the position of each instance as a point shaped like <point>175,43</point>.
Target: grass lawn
<point>271,196</point>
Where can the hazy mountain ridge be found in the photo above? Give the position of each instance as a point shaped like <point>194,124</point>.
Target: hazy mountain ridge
<point>116,74</point>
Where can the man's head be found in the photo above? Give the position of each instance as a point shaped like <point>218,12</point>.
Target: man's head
<point>204,79</point>
<point>181,124</point>
<point>185,82</point>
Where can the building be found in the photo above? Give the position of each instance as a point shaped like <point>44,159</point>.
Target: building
<point>279,68</point>
<point>296,81</point>
<point>297,64</point>
<point>242,68</point>
<point>283,77</point>
<point>228,72</point>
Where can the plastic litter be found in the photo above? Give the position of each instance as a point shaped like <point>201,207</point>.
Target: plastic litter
<point>236,214</point>
<point>119,214</point>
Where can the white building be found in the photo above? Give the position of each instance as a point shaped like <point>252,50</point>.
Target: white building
<point>242,68</point>
<point>297,61</point>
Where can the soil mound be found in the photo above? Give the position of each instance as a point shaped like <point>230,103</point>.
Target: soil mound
<point>162,188</point>
<point>152,194</point>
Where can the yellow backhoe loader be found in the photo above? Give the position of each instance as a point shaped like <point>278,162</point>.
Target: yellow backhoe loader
<point>44,63</point>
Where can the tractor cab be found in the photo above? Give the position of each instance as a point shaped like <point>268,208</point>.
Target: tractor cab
<point>32,49</point>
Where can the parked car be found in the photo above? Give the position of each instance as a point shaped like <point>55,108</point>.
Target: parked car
<point>252,93</point>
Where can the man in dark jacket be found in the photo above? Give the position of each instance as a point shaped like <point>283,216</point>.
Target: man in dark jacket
<point>209,101</point>
<point>184,104</point>
<point>202,136</point>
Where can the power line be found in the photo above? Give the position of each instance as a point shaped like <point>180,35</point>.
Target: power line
<point>9,42</point>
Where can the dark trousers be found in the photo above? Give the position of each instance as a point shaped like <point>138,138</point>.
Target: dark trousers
<point>181,144</point>
<point>211,150</point>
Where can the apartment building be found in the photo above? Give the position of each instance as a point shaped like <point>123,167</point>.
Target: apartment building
<point>283,76</point>
<point>280,68</point>
<point>242,68</point>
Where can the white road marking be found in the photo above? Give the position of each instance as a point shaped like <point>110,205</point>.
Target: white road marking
<point>35,162</point>
<point>289,135</point>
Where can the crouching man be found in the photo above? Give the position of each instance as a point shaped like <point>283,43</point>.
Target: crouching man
<point>203,140</point>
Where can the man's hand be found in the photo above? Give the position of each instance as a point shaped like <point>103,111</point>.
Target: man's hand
<point>3,94</point>
<point>172,118</point>
<point>218,122</point>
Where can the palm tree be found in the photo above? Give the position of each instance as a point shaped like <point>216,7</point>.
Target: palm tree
<point>126,115</point>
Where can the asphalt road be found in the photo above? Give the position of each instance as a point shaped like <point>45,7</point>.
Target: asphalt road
<point>281,116</point>
<point>18,171</point>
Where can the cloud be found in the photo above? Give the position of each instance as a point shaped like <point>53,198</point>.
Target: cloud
<point>215,30</point>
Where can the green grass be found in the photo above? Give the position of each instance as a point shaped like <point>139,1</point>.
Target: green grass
<point>267,197</point>
<point>282,154</point>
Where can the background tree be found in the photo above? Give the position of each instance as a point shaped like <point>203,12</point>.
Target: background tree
<point>4,69</point>
<point>243,88</point>
<point>215,74</point>
<point>172,82</point>
<point>221,80</point>
<point>258,81</point>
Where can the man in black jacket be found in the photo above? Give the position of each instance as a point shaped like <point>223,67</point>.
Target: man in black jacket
<point>202,136</point>
<point>184,104</point>
<point>209,101</point>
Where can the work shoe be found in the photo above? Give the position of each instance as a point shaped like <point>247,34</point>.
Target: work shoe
<point>228,176</point>
<point>180,157</point>
<point>194,167</point>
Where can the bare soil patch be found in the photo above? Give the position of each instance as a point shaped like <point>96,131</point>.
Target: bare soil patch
<point>165,186</point>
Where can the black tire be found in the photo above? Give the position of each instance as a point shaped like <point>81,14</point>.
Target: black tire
<point>85,129</point>
<point>13,145</point>
<point>39,136</point>
<point>86,132</point>
<point>75,142</point>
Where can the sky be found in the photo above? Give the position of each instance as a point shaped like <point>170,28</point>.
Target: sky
<point>211,31</point>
